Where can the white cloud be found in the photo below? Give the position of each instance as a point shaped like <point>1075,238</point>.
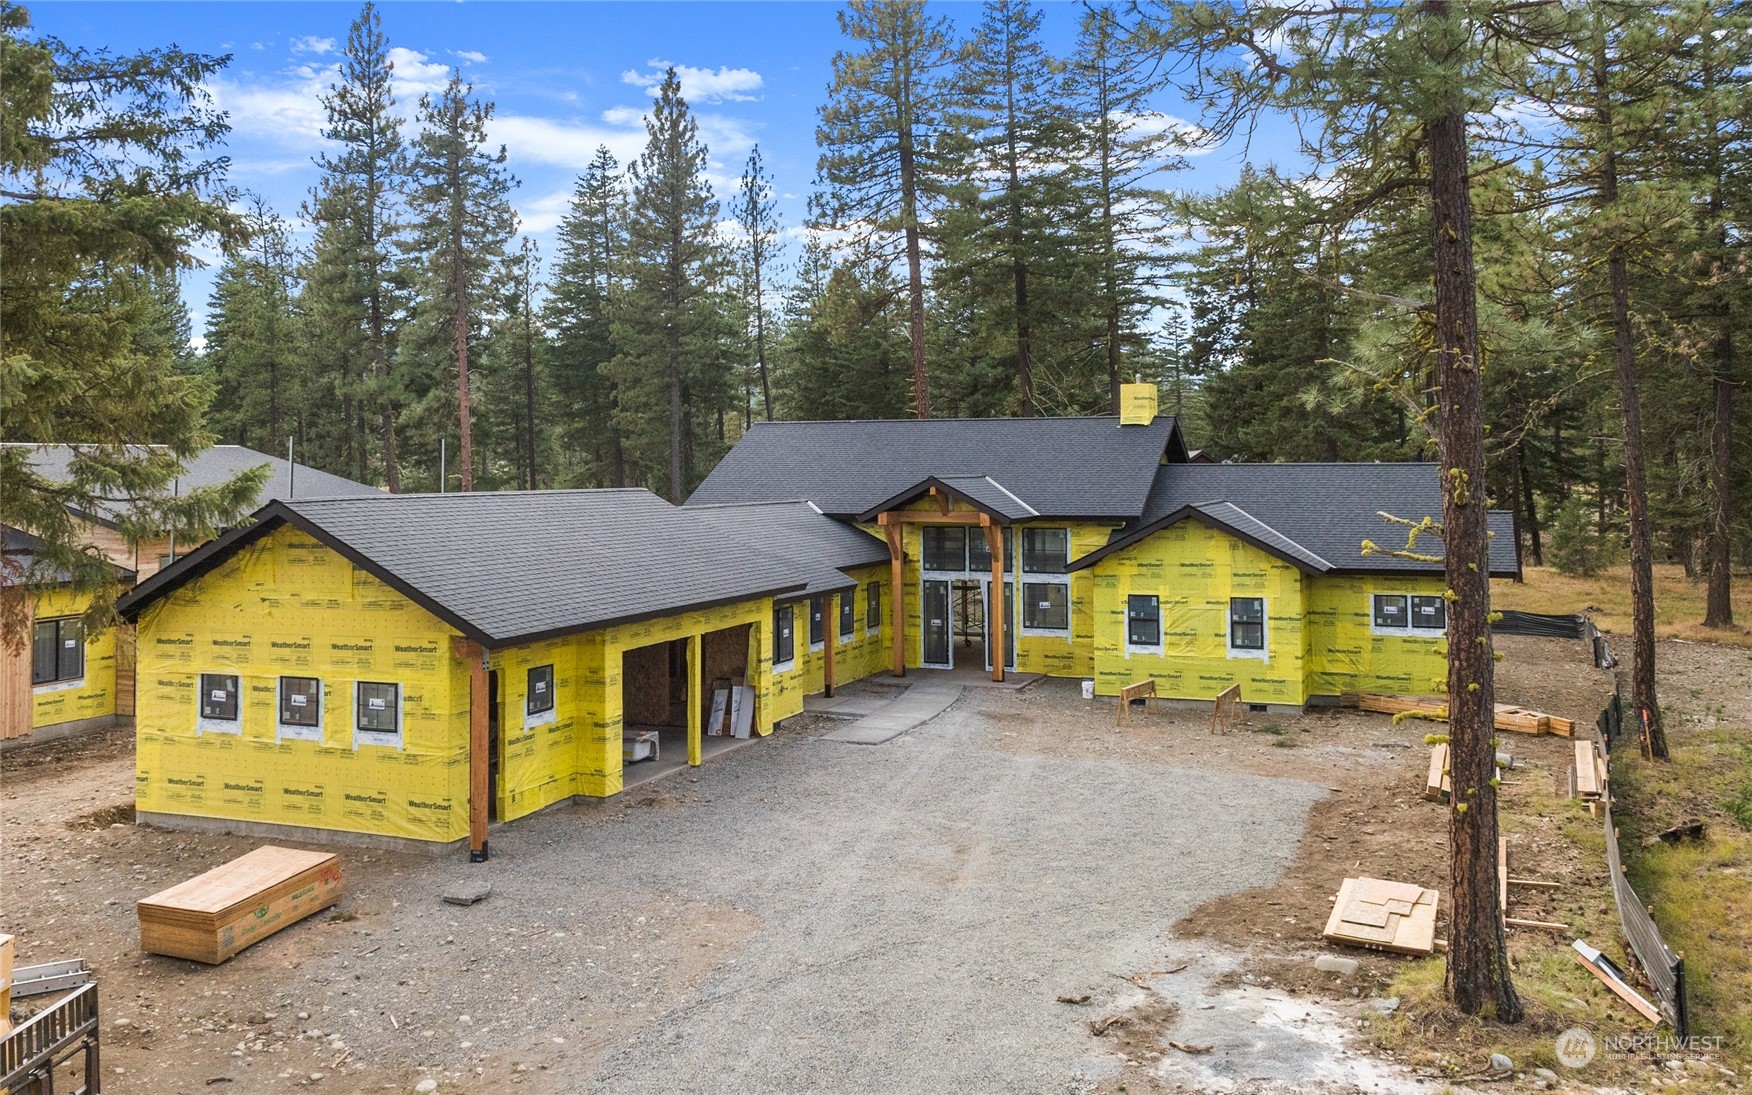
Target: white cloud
<point>289,114</point>
<point>543,214</point>
<point>624,116</point>
<point>563,144</point>
<point>414,75</point>
<point>700,85</point>
<point>310,43</point>
<point>473,55</point>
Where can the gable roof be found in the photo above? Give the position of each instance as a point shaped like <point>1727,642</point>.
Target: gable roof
<point>19,565</point>
<point>212,467</point>
<point>982,492</point>
<point>517,566</point>
<point>1306,512</point>
<point>1059,467</point>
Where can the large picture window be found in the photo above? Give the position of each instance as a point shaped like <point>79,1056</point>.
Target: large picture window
<point>1143,622</point>
<point>1045,550</point>
<point>1046,606</point>
<point>873,607</point>
<point>378,713</point>
<point>57,651</point>
<point>1247,625</point>
<point>784,635</point>
<point>979,553</point>
<point>945,547</point>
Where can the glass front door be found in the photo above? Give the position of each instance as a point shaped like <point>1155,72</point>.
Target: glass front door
<point>934,623</point>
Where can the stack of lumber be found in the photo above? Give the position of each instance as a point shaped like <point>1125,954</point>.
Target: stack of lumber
<point>1383,915</point>
<point>211,917</point>
<point>1590,771</point>
<point>1439,786</point>
<point>1508,716</point>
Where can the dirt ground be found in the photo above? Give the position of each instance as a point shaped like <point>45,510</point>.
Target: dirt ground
<point>75,865</point>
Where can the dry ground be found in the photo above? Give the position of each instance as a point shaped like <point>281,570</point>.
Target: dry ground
<point>1679,602</point>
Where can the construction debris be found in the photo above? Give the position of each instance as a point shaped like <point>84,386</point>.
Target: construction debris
<point>1691,830</point>
<point>211,917</point>
<point>1508,716</point>
<point>1439,786</point>
<point>468,892</point>
<point>1189,1047</point>
<point>1613,978</point>
<point>1079,998</point>
<point>1384,915</point>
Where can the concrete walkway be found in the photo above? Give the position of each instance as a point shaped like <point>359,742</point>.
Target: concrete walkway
<point>885,719</point>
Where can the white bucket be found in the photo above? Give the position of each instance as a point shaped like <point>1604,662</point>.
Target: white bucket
<point>1088,690</point>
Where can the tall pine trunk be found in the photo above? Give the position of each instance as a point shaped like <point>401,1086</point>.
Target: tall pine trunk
<point>465,450</point>
<point>528,380</point>
<point>766,384</point>
<point>1642,537</point>
<point>915,272</point>
<point>1478,962</point>
<point>1719,609</point>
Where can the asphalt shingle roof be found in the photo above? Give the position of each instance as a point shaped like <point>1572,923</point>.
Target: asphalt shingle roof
<point>21,564</point>
<point>1327,510</point>
<point>516,566</point>
<point>218,464</point>
<point>820,547</point>
<point>1061,467</point>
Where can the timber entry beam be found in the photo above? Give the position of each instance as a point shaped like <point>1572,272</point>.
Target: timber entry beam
<point>997,602</point>
<point>891,531</point>
<point>479,785</point>
<point>830,635</point>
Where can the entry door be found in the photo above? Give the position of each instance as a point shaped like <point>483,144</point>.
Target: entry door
<point>934,624</point>
<point>493,745</point>
<point>1009,624</point>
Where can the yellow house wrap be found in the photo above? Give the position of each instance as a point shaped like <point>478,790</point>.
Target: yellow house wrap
<point>91,696</point>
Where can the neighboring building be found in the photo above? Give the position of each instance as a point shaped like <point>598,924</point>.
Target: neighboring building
<point>412,666</point>
<point>90,684</point>
<point>351,664</point>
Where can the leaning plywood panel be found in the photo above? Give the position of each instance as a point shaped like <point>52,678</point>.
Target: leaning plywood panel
<point>211,917</point>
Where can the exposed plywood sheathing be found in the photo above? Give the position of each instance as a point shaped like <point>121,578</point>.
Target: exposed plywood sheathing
<point>1384,915</point>
<point>645,686</point>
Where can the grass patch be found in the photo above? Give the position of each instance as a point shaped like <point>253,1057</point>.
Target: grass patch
<point>1278,732</point>
<point>1679,601</point>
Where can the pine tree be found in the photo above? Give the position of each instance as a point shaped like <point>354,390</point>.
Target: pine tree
<point>592,247</point>
<point>352,265</point>
<point>110,174</point>
<point>883,159</point>
<point>1124,147</point>
<point>755,210</point>
<point>250,336</point>
<point>669,367</point>
<point>463,222</point>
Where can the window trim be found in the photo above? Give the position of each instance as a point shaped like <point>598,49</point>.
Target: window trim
<point>1143,648</point>
<point>296,731</point>
<point>1022,552</point>
<point>58,682</point>
<point>1263,650</point>
<point>365,736</point>
<point>212,724</point>
<point>1056,632</point>
<point>873,608</point>
<point>541,716</point>
<point>779,632</point>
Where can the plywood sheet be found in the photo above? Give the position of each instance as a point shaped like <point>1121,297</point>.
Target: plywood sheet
<point>1384,915</point>
<point>211,917</point>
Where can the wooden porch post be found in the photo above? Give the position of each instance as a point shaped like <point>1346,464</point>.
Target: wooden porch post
<point>479,785</point>
<point>995,626</point>
<point>695,702</point>
<point>896,593</point>
<point>830,636</point>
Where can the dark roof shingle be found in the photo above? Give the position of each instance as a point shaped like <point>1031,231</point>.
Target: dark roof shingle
<point>1060,467</point>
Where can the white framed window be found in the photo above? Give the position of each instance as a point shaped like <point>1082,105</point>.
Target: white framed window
<point>1143,624</point>
<point>538,697</point>
<point>1408,614</point>
<point>219,704</point>
<point>377,714</point>
<point>817,622</point>
<point>784,637</point>
<point>299,709</point>
<point>1247,627</point>
<point>1046,607</point>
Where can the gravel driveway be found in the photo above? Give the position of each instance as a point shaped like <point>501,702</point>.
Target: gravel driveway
<point>799,915</point>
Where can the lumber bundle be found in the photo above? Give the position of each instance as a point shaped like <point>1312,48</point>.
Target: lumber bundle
<point>1439,786</point>
<point>1590,771</point>
<point>1384,915</point>
<point>1508,717</point>
<point>7,954</point>
<point>211,917</point>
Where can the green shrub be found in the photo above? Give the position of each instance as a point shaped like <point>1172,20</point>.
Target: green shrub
<point>1577,548</point>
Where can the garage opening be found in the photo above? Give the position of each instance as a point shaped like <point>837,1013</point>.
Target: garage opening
<point>654,702</point>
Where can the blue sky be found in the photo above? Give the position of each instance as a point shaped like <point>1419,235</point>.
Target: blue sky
<point>566,77</point>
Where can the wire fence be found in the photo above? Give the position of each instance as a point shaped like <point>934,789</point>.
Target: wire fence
<point>1546,626</point>
<point>1664,968</point>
